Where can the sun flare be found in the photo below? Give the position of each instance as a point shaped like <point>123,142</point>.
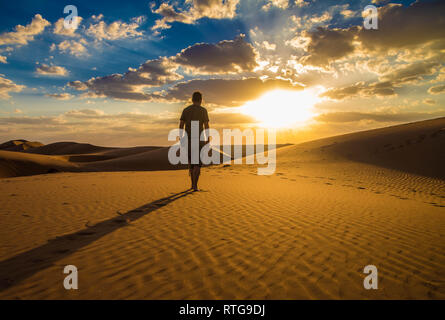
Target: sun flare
<point>283,108</point>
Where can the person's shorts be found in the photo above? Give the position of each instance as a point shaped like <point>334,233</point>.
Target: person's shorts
<point>189,153</point>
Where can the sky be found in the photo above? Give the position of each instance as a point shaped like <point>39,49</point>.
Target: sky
<point>307,68</point>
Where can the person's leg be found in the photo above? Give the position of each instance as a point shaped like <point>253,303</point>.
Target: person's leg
<point>196,173</point>
<point>192,178</point>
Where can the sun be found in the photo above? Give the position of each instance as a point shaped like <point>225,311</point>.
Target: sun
<point>282,108</point>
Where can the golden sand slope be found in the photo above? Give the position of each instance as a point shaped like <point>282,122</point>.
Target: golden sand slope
<point>14,164</point>
<point>306,232</point>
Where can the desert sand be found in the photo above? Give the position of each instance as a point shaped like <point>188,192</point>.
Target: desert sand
<point>332,207</point>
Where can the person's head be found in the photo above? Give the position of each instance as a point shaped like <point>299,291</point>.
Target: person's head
<point>197,98</point>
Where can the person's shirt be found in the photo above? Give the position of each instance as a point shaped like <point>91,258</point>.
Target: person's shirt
<point>194,113</point>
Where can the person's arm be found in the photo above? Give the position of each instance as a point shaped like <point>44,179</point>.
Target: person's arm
<point>182,123</point>
<point>206,126</point>
<point>181,127</point>
<point>206,123</point>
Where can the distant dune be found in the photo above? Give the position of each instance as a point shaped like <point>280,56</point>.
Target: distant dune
<point>81,157</point>
<point>60,148</point>
<point>415,147</point>
<point>19,145</point>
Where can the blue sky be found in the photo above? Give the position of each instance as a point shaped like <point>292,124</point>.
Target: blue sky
<point>124,75</point>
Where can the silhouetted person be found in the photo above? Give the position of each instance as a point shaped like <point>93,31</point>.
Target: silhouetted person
<point>194,112</point>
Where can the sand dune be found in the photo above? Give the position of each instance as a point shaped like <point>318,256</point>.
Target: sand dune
<point>14,164</point>
<point>80,157</point>
<point>415,147</point>
<point>61,148</point>
<point>19,145</point>
<point>332,207</point>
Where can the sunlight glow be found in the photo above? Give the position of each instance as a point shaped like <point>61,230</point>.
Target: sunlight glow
<point>283,108</point>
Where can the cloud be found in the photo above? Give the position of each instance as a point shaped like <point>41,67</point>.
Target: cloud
<point>170,15</point>
<point>73,47</point>
<point>429,101</point>
<point>118,129</point>
<point>130,85</point>
<point>227,92</point>
<point>60,96</point>
<point>348,13</point>
<point>116,30</point>
<point>225,119</point>
<point>405,26</point>
<point>301,3</point>
<point>7,86</point>
<point>228,56</point>
<point>437,89</point>
<point>282,4</point>
<point>42,120</point>
<point>343,117</point>
<point>214,9</point>
<point>399,27</point>
<point>361,89</point>
<point>23,34</point>
<point>47,70</point>
<point>60,29</point>
<point>84,113</point>
<point>388,82</point>
<point>326,45</point>
<point>412,72</point>
<point>98,17</point>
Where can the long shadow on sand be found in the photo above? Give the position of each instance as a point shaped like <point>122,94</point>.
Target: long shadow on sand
<point>26,264</point>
